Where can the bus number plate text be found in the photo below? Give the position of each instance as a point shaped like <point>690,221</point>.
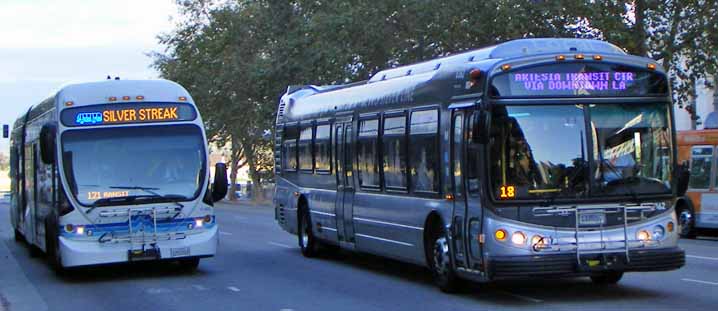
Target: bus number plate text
<point>180,252</point>
<point>592,219</point>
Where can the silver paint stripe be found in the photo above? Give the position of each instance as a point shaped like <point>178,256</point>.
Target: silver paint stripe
<point>323,213</point>
<point>329,228</point>
<point>387,223</point>
<point>383,240</point>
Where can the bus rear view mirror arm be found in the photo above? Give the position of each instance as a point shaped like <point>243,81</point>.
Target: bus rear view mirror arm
<point>48,135</point>
<point>219,186</point>
<point>683,172</point>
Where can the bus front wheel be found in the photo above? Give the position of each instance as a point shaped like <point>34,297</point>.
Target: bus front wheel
<point>607,278</point>
<point>305,236</point>
<point>18,236</point>
<point>189,264</point>
<point>686,223</point>
<point>52,244</point>
<point>440,263</point>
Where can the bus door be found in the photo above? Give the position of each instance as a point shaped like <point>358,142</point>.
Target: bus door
<point>344,205</point>
<point>466,222</point>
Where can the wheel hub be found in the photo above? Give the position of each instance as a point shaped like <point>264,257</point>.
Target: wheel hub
<point>441,256</point>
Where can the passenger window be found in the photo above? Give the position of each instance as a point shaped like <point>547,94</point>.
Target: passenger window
<point>394,147</point>
<point>458,133</point>
<point>701,167</point>
<point>424,151</point>
<point>322,147</point>
<point>305,149</point>
<point>367,153</point>
<point>289,150</point>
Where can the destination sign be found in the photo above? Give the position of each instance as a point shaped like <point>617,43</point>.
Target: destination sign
<point>578,80</point>
<point>128,113</point>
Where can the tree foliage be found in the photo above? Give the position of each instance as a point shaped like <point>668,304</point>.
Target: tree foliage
<point>237,57</point>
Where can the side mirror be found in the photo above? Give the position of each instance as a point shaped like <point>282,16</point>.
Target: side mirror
<point>48,135</point>
<point>5,131</point>
<point>684,174</point>
<point>219,186</point>
<point>479,132</point>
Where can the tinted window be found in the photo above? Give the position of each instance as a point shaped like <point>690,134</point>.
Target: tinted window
<point>472,160</point>
<point>424,151</point>
<point>289,150</point>
<point>701,167</point>
<point>394,145</point>
<point>458,137</point>
<point>305,149</point>
<point>367,153</point>
<point>322,147</point>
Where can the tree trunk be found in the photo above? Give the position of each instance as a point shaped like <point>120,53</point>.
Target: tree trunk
<point>642,36</point>
<point>257,191</point>
<point>234,168</point>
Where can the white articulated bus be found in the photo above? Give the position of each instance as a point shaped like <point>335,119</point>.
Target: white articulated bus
<point>114,171</point>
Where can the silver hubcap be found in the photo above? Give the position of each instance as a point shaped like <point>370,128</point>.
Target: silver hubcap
<point>684,220</point>
<point>304,233</point>
<point>441,256</point>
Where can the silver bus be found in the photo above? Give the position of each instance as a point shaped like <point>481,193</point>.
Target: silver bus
<point>531,158</point>
<point>114,171</point>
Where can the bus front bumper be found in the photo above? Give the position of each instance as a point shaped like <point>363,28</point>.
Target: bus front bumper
<point>568,265</point>
<point>77,253</point>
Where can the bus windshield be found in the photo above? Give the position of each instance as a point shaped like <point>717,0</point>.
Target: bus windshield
<point>134,165</point>
<point>542,152</point>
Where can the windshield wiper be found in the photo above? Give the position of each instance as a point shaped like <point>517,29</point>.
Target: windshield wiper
<point>152,197</point>
<point>622,181</point>
<point>172,197</point>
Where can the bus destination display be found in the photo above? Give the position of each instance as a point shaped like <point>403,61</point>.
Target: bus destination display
<point>127,113</point>
<point>579,79</point>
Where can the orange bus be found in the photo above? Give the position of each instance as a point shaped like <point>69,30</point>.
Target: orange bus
<point>698,209</point>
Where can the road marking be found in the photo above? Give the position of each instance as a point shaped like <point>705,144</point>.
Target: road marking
<point>225,233</point>
<point>702,257</point>
<point>699,281</point>
<point>525,298</point>
<point>155,291</point>
<point>232,288</point>
<point>280,245</point>
<point>199,287</point>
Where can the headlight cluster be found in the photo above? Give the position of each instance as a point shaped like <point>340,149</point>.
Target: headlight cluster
<point>519,238</point>
<point>655,233</point>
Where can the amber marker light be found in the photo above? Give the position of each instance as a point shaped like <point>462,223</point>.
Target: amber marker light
<point>140,97</point>
<point>183,98</point>
<point>669,226</point>
<point>651,66</point>
<point>579,56</point>
<point>449,197</point>
<point>500,235</point>
<point>126,98</point>
<point>505,67</point>
<point>561,58</point>
<point>69,228</point>
<point>112,98</point>
<point>69,104</point>
<point>597,57</point>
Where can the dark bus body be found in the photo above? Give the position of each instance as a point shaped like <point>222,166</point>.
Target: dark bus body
<point>531,158</point>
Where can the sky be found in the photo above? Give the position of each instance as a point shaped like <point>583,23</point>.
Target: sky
<point>48,43</point>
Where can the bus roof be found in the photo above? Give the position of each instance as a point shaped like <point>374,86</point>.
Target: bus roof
<point>697,137</point>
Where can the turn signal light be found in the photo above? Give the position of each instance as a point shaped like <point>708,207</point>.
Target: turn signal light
<point>208,219</point>
<point>597,57</point>
<point>643,235</point>
<point>669,226</point>
<point>561,58</point>
<point>651,66</point>
<point>500,235</point>
<point>518,238</point>
<point>505,67</point>
<point>69,228</point>
<point>579,56</point>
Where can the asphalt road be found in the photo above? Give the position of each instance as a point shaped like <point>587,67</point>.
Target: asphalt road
<point>259,267</point>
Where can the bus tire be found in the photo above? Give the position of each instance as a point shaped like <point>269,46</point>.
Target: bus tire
<point>442,269</point>
<point>52,244</point>
<point>686,222</point>
<point>305,237</point>
<point>607,278</point>
<point>189,264</point>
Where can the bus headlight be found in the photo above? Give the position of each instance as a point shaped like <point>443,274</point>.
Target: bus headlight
<point>80,230</point>
<point>198,223</point>
<point>643,235</point>
<point>518,238</point>
<point>658,232</point>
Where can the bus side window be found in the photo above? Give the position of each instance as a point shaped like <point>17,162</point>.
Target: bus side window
<point>289,152</point>
<point>322,147</point>
<point>701,167</point>
<point>424,151</point>
<point>394,147</point>
<point>305,150</point>
<point>367,144</point>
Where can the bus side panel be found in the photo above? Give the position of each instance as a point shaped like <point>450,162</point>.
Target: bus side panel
<point>392,225</point>
<point>14,179</point>
<point>285,204</point>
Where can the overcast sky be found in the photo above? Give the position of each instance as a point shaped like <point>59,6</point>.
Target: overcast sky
<point>45,44</point>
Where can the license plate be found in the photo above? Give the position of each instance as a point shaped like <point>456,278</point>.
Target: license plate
<point>592,219</point>
<point>179,252</point>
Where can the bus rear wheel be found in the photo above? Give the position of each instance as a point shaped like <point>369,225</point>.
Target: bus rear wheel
<point>607,278</point>
<point>307,242</point>
<point>440,264</point>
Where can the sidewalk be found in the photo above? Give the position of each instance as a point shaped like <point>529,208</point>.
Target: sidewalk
<point>16,291</point>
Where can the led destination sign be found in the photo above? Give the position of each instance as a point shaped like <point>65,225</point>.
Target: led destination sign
<point>579,79</point>
<point>127,113</point>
